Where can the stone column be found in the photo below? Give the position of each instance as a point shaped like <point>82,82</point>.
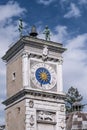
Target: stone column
<point>59,76</point>
<point>25,69</point>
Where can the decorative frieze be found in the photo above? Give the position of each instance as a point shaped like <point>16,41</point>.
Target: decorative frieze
<point>43,57</point>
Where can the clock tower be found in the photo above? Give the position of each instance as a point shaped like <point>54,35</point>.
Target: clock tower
<point>35,98</point>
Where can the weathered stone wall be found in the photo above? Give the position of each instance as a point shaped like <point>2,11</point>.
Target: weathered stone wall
<point>14,76</point>
<point>15,117</point>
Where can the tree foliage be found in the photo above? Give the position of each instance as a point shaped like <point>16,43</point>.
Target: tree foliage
<point>72,96</point>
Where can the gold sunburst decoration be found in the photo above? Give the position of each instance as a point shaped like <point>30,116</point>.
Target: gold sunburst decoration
<point>43,76</point>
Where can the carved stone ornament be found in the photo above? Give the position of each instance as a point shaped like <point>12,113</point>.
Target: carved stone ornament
<point>31,103</point>
<point>60,61</point>
<point>25,54</point>
<point>45,53</point>
<point>62,108</point>
<point>31,120</point>
<point>62,124</point>
<point>45,116</point>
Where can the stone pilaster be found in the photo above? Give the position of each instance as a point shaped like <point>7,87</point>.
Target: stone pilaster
<point>25,69</point>
<point>59,76</point>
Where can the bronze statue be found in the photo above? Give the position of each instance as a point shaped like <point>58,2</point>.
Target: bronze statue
<point>20,28</point>
<point>47,33</point>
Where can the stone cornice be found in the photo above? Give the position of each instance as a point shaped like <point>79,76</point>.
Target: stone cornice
<point>40,95</point>
<point>35,42</point>
<point>46,122</point>
<point>39,43</point>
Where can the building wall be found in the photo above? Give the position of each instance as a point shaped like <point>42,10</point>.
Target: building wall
<point>14,76</point>
<point>15,117</point>
<point>76,120</point>
<point>41,114</point>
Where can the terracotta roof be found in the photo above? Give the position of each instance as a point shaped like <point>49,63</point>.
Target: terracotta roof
<point>76,121</point>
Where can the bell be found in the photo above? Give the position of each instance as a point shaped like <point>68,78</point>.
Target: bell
<point>33,31</point>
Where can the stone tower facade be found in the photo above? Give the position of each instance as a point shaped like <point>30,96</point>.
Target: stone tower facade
<point>35,98</point>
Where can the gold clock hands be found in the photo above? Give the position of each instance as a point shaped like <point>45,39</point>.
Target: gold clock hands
<point>41,84</point>
<point>49,83</point>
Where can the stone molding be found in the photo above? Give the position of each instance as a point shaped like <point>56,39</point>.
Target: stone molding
<point>39,95</point>
<point>46,122</point>
<point>40,56</point>
<point>35,42</point>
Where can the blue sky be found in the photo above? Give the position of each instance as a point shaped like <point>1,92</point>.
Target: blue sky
<point>67,20</point>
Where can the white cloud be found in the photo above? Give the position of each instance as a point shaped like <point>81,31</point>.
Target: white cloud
<point>60,33</point>
<point>83,2</point>
<point>10,9</point>
<point>8,27</point>
<point>2,120</point>
<point>45,2</point>
<point>73,11</point>
<point>75,64</point>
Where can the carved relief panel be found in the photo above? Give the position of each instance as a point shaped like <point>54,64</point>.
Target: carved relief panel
<point>46,116</point>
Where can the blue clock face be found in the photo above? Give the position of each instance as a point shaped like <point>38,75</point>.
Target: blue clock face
<point>43,76</point>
